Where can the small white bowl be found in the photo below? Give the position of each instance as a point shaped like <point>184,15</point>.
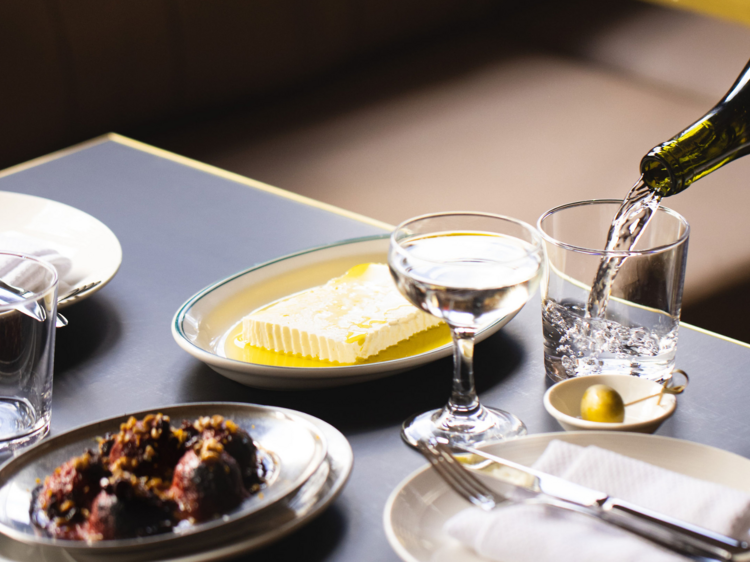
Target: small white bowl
<point>563,402</point>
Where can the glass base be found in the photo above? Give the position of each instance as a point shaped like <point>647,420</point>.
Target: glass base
<point>485,425</point>
<point>19,427</point>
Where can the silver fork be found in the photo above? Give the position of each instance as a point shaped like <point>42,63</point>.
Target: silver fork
<point>457,477</point>
<point>77,291</point>
<point>31,309</point>
<point>473,490</point>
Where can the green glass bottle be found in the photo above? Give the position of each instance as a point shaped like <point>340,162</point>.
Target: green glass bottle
<point>720,136</point>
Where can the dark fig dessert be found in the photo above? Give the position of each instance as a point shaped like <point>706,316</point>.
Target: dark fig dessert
<point>147,478</point>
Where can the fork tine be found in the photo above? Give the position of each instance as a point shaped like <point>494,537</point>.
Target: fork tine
<point>78,290</point>
<point>438,464</point>
<point>452,471</point>
<point>461,473</point>
<point>449,476</point>
<point>461,485</point>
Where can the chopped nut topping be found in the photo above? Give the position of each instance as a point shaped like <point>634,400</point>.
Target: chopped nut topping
<point>154,483</point>
<point>142,463</point>
<point>211,450</point>
<point>130,424</point>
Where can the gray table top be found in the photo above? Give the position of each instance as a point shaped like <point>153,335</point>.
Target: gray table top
<point>183,226</point>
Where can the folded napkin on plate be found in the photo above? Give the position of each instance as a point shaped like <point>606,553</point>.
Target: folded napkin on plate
<point>521,533</point>
<point>21,276</point>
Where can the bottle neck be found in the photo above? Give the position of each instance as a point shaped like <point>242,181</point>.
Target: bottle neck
<point>720,136</point>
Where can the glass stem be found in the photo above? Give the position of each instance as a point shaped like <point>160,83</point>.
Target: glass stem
<point>463,400</point>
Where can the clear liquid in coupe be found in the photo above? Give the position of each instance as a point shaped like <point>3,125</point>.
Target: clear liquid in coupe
<point>471,270</point>
<point>470,280</point>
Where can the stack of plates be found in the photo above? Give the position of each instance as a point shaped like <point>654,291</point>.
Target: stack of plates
<point>312,462</point>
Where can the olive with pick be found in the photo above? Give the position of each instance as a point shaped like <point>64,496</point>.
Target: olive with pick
<point>602,403</point>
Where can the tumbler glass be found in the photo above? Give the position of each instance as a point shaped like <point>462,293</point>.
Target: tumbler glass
<point>28,310</point>
<point>637,332</point>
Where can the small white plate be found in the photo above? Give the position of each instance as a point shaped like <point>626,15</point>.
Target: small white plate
<point>92,247</point>
<point>203,324</point>
<point>420,505</point>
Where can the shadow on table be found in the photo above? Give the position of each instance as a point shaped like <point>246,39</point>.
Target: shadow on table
<point>374,404</point>
<point>319,538</point>
<point>94,324</point>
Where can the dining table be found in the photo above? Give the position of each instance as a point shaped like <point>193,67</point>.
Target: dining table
<point>183,225</point>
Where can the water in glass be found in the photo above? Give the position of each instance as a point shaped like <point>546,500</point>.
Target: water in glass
<point>471,270</point>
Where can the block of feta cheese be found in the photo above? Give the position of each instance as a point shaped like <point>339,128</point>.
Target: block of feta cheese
<point>351,317</point>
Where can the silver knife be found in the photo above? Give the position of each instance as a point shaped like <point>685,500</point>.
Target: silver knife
<point>603,506</point>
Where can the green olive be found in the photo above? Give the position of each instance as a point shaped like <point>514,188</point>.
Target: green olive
<point>602,403</point>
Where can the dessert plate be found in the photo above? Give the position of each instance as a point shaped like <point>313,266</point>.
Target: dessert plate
<point>304,505</point>
<point>206,324</point>
<point>297,447</point>
<point>420,505</point>
<point>93,248</point>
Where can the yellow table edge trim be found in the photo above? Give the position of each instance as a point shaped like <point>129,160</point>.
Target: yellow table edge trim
<point>143,147</point>
<point>710,333</point>
<point>53,156</point>
<point>114,137</point>
<point>244,180</point>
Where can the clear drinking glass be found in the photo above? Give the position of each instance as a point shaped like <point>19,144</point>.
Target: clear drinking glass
<point>28,310</point>
<point>470,270</point>
<point>637,335</point>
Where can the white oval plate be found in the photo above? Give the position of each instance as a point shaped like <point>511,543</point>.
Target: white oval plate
<point>93,248</point>
<point>420,505</point>
<point>297,447</point>
<point>202,323</point>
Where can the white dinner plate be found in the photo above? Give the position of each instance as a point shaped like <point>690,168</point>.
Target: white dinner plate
<point>93,248</point>
<point>306,504</point>
<point>203,324</point>
<point>420,505</point>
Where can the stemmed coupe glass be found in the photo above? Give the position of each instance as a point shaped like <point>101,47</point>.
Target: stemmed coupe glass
<point>470,270</point>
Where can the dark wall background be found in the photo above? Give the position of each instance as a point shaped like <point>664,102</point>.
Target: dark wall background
<point>71,70</point>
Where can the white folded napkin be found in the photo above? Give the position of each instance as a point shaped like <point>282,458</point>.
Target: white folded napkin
<point>533,533</point>
<point>709,505</point>
<point>22,275</point>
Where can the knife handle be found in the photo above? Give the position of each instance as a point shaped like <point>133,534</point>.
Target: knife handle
<point>651,530</point>
<point>673,540</point>
<point>729,544</point>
